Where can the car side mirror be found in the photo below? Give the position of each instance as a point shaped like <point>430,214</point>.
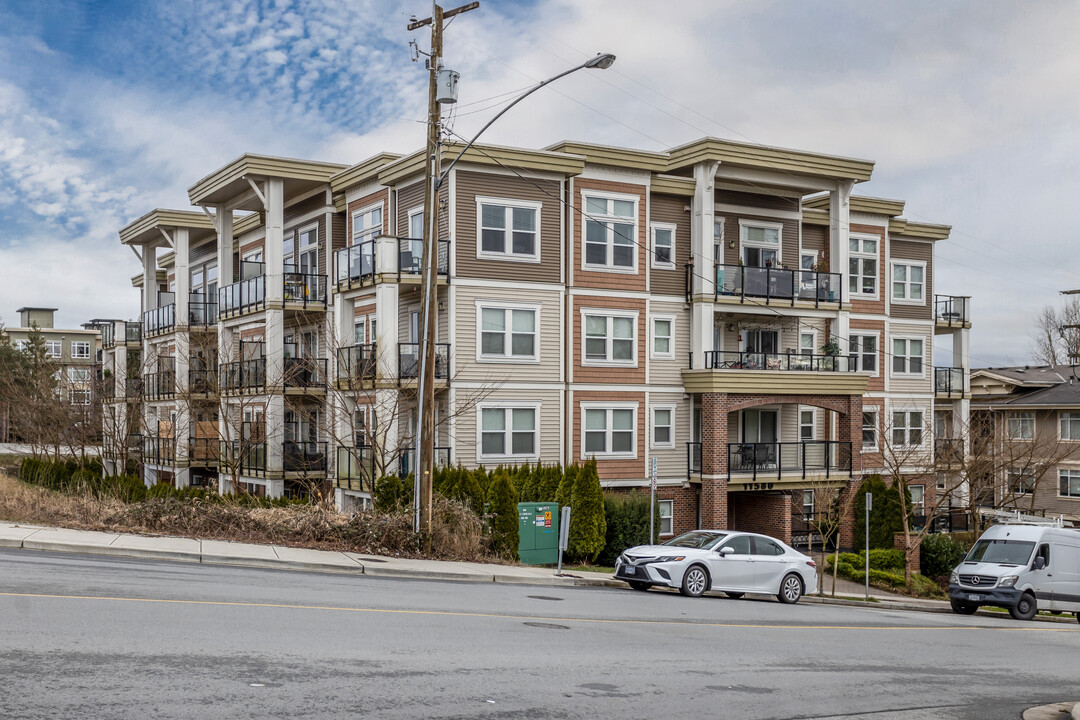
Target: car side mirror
<point>725,551</point>
<point>1040,563</point>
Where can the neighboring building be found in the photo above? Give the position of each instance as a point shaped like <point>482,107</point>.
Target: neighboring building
<point>1031,414</point>
<point>725,308</point>
<point>76,352</point>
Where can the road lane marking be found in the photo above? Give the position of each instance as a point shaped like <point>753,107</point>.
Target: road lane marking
<point>452,613</point>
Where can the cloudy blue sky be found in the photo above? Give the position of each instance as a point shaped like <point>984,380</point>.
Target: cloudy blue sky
<point>971,110</point>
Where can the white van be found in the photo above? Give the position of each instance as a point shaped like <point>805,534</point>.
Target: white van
<point>1023,568</point>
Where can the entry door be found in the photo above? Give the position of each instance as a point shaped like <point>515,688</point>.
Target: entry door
<point>734,571</point>
<point>760,347</point>
<point>759,257</point>
<point>759,433</point>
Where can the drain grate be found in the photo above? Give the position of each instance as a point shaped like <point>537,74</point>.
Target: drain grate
<point>547,626</point>
<point>545,597</point>
<point>372,560</point>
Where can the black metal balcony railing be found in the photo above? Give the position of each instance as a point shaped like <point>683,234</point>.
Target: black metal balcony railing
<point>159,385</point>
<point>783,362</point>
<point>778,284</point>
<point>949,381</point>
<point>304,372</point>
<point>409,361</point>
<point>108,336</point>
<point>769,459</point>
<point>159,320</point>
<point>357,362</point>
<point>410,256</point>
<point>308,457</point>
<point>243,456</point>
<point>242,375</point>
<point>305,289</point>
<point>249,294</point>
<point>202,313</point>
<point>133,387</point>
<point>407,460</point>
<point>948,451</point>
<point>159,450</point>
<point>693,458</point>
<point>201,381</point>
<point>806,529</point>
<point>355,468</point>
<point>355,263</point>
<point>204,451</point>
<point>952,309</point>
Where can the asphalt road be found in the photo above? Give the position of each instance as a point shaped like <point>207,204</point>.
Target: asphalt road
<point>89,637</point>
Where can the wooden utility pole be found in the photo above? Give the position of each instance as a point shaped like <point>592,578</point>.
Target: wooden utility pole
<point>425,454</point>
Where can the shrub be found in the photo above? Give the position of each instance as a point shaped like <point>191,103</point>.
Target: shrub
<point>504,515</point>
<point>885,513</point>
<point>627,521</point>
<point>549,481</point>
<point>587,525</point>
<point>939,554</point>
<point>392,493</point>
<point>566,485</point>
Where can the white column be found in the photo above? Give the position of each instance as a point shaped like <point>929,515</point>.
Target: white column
<point>224,219</point>
<point>703,278</point>
<point>839,230</point>
<point>149,277</point>
<point>273,255</point>
<point>183,351</point>
<point>386,400</point>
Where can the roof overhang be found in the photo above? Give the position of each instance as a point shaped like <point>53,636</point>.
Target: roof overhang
<point>860,203</point>
<point>226,184</point>
<point>774,159</point>
<point>361,172</point>
<point>613,156</point>
<point>919,231</point>
<point>147,229</point>
<point>491,155</point>
<point>673,185</point>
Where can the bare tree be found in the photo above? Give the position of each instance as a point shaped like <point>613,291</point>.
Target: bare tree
<point>1055,334</point>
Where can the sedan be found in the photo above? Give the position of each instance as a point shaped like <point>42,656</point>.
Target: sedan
<point>733,562</point>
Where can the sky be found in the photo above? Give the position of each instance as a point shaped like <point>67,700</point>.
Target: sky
<point>970,110</point>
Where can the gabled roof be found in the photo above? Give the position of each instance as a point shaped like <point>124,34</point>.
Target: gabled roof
<point>147,228</point>
<point>229,181</point>
<point>362,171</point>
<point>763,157</point>
<point>1026,375</point>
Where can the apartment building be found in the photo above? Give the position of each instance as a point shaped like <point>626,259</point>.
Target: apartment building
<point>75,351</point>
<point>1028,421</point>
<point>732,311</point>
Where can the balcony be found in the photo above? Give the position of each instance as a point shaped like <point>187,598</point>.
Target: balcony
<point>361,264</point>
<point>693,459</point>
<point>202,382</point>
<point>357,365</point>
<point>304,373</point>
<point>133,387</point>
<point>204,451</point>
<point>303,457</point>
<point>159,321</point>
<point>778,362</point>
<point>245,375</point>
<point>407,460</point>
<point>159,385</point>
<point>247,295</point>
<point>305,290</point>
<point>244,457</point>
<point>952,311</point>
<point>132,333</point>
<point>948,383</point>
<point>355,468</point>
<point>771,461</point>
<point>159,450</point>
<point>778,285</point>
<point>355,265</point>
<point>948,451</point>
<point>202,313</point>
<point>409,361</point>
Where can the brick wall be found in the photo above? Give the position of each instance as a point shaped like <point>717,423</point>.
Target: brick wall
<point>765,513</point>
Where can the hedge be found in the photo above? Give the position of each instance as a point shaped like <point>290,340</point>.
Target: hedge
<point>627,518</point>
<point>939,554</point>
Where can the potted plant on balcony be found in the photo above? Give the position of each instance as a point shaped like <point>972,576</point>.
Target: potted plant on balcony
<point>831,349</point>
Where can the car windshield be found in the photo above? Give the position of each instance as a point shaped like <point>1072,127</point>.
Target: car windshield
<point>1006,552</point>
<point>697,539</point>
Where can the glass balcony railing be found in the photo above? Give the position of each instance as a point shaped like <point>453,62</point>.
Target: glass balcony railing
<point>773,459</point>
<point>949,381</point>
<point>243,456</point>
<point>305,289</point>
<point>202,312</point>
<point>407,460</point>
<point>204,451</point>
<point>304,372</point>
<point>159,450</point>
<point>780,362</point>
<point>409,361</point>
<point>159,320</point>
<point>355,264</point>
<point>159,385</point>
<point>357,363</point>
<point>304,457</point>
<point>242,375</point>
<point>243,296</point>
<point>778,284</point>
<point>952,310</point>
<point>355,468</point>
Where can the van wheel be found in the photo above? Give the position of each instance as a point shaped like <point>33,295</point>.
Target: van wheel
<point>963,608</point>
<point>1025,609</point>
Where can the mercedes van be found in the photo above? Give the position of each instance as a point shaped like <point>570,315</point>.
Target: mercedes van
<point>1022,568</point>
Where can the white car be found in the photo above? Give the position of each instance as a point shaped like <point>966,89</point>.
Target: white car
<point>731,561</point>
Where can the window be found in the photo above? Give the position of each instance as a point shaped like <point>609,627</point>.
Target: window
<point>1020,425</point>
<point>663,433</point>
<point>765,546</point>
<point>863,353</point>
<point>942,481</point>
<point>308,251</point>
<point>359,335</point>
<point>508,333</point>
<point>907,428</point>
<point>1070,483</point>
<point>54,348</point>
<point>863,266</point>
<point>80,397</point>
<point>78,375</point>
<point>21,345</point>
<point>508,231</point>
<point>1070,425</point>
<point>908,281</point>
<point>609,431</point>
<point>760,244</point>
<point>807,343</point>
<point>508,432</point>
<point>416,223</point>
<point>663,246</point>
<point>609,339</point>
<point>740,545</point>
<point>806,425</point>
<point>80,350</point>
<point>718,240</point>
<point>366,224</point>
<point>808,503</point>
<point>918,499</point>
<point>666,507</point>
<point>1020,482</point>
<point>907,356</point>
<point>610,231</point>
<point>662,346</point>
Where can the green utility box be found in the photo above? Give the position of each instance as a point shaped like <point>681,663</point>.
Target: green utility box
<point>538,528</point>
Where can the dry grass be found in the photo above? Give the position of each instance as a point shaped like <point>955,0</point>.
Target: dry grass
<point>456,535</point>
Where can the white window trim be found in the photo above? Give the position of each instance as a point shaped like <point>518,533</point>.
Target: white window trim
<point>876,410</point>
<point>409,215</point>
<point>670,354</point>
<point>610,313</point>
<point>507,405</point>
<point>779,227</point>
<point>367,232</point>
<point>907,374</point>
<point>1018,414</point>
<point>1060,417</point>
<point>813,333</point>
<point>877,284</point>
<point>636,199</point>
<point>907,285</point>
<point>670,445</point>
<point>49,353</point>
<point>652,246</point>
<point>859,332</point>
<point>595,405</point>
<point>671,517</point>
<point>1058,478</point>
<point>503,305</point>
<point>506,203</point>
<point>77,344</point>
<point>813,423</point>
<point>907,428</point>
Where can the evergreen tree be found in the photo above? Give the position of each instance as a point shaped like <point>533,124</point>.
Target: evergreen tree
<point>502,497</point>
<point>548,483</point>
<point>885,512</point>
<point>588,526</point>
<point>566,485</point>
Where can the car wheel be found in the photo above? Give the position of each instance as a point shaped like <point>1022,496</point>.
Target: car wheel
<point>734,595</point>
<point>638,585</point>
<point>791,589</point>
<point>1025,609</point>
<point>695,581</point>
<point>963,608</point>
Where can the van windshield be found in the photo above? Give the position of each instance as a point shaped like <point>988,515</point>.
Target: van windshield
<point>1006,552</point>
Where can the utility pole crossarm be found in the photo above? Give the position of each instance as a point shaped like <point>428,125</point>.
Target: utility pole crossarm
<point>417,24</point>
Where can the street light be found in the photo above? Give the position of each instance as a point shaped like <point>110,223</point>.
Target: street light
<point>433,180</point>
